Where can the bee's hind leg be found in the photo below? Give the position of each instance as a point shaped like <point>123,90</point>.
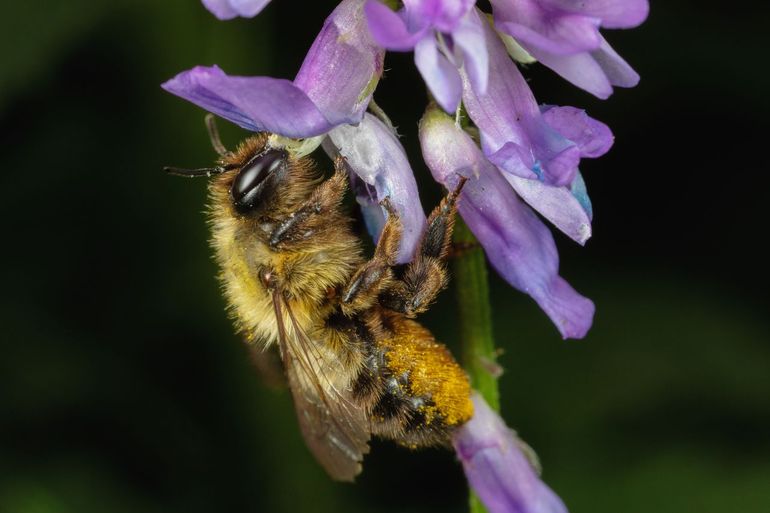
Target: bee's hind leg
<point>426,275</point>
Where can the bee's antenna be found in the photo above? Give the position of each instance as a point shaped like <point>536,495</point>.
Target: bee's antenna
<point>194,173</point>
<point>216,142</point>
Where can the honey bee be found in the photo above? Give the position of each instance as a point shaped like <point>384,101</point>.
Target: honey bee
<point>294,274</point>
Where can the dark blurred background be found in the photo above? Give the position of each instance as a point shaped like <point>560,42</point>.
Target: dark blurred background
<point>124,389</point>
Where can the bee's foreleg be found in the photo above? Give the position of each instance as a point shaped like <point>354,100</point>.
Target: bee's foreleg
<point>426,275</point>
<point>375,275</point>
<point>309,219</point>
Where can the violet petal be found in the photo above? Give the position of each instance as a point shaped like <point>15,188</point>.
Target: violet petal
<point>342,68</point>
<point>376,156</point>
<point>558,33</point>
<point>249,8</point>
<point>254,103</point>
<point>595,72</point>
<point>222,9</point>
<point>496,467</point>
<point>617,70</point>
<point>580,69</point>
<point>229,9</point>
<point>469,37</point>
<point>553,30</point>
<point>440,75</point>
<point>557,157</point>
<point>511,158</point>
<point>593,137</point>
<point>613,13</point>
<point>519,246</point>
<point>561,170</point>
<point>388,28</point>
<point>508,113</point>
<point>442,15</point>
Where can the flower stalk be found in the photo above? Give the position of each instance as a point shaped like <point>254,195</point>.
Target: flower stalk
<point>478,347</point>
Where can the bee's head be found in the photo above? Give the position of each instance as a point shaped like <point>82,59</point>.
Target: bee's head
<point>256,178</point>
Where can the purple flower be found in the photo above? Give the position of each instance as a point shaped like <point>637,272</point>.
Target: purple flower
<point>229,9</point>
<point>539,149</point>
<point>380,169</point>
<point>445,35</point>
<point>564,35</point>
<point>497,468</point>
<point>329,94</point>
<point>333,86</point>
<point>519,246</point>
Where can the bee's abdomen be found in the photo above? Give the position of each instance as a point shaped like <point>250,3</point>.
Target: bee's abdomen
<point>416,390</point>
<point>412,388</point>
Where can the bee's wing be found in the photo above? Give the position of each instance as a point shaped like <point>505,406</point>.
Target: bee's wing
<point>335,428</point>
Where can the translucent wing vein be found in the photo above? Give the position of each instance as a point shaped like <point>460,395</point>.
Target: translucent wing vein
<point>335,428</point>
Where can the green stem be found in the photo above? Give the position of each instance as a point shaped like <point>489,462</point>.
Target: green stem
<point>478,347</point>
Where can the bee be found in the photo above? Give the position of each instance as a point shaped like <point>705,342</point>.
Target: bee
<point>294,275</point>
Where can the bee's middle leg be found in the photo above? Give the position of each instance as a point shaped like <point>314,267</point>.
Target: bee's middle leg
<point>375,275</point>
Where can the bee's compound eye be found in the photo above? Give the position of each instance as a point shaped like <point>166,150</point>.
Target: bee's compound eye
<point>246,190</point>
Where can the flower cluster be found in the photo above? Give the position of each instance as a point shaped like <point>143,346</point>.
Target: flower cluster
<point>521,158</point>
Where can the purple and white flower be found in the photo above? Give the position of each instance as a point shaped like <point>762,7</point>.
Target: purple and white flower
<point>564,36</point>
<point>445,35</point>
<point>537,148</point>
<point>525,161</point>
<point>519,246</point>
<point>229,9</point>
<point>515,133</point>
<point>497,467</point>
<point>530,154</point>
<point>333,86</point>
<point>329,95</point>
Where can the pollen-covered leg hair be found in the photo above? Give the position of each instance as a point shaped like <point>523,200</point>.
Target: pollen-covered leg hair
<point>426,275</point>
<point>375,275</point>
<point>308,219</point>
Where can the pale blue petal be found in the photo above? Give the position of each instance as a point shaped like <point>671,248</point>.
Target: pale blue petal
<point>440,75</point>
<point>376,156</point>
